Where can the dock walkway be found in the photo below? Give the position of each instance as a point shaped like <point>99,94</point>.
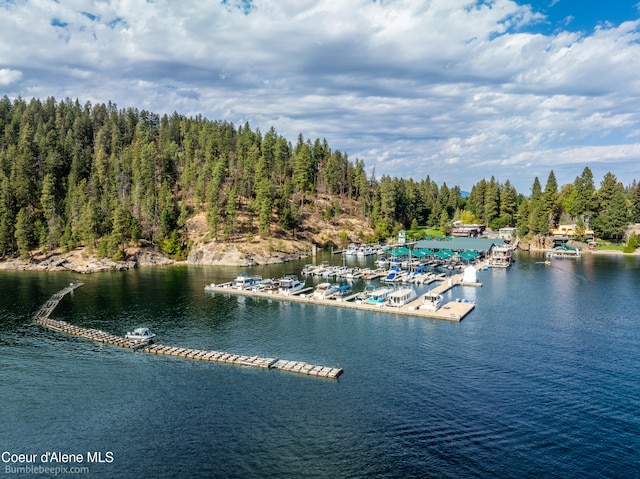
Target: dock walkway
<point>42,317</point>
<point>452,311</point>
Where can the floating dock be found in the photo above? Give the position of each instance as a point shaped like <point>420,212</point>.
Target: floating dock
<point>452,311</point>
<point>42,318</point>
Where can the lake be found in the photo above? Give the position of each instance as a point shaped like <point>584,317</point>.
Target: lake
<point>541,379</point>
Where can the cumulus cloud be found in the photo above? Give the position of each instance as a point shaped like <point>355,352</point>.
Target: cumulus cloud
<point>8,76</point>
<point>446,88</point>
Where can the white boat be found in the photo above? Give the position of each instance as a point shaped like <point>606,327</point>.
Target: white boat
<point>324,290</point>
<point>308,269</point>
<point>431,301</point>
<point>401,296</point>
<point>382,262</point>
<point>290,284</point>
<point>343,292</point>
<point>140,334</point>
<point>244,281</point>
<point>330,271</point>
<point>564,252</point>
<point>365,294</point>
<point>379,296</point>
<point>262,285</point>
<point>352,273</point>
<point>351,250</point>
<point>394,274</point>
<point>319,270</point>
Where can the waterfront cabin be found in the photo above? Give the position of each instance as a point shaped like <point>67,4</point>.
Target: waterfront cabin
<point>569,232</point>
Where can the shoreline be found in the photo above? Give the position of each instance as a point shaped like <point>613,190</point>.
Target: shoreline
<point>604,252</point>
<point>79,261</point>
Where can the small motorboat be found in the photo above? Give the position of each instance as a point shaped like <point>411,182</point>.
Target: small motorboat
<point>324,290</point>
<point>140,334</point>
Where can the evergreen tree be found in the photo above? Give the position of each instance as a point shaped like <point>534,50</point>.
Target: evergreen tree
<point>491,201</point>
<point>49,211</point>
<point>303,173</point>
<point>612,222</point>
<point>508,203</point>
<point>550,200</point>
<point>609,186</point>
<point>536,190</point>
<point>634,197</point>
<point>585,203</point>
<point>7,239</point>
<point>24,232</point>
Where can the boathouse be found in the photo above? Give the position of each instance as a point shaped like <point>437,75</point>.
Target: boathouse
<point>482,246</point>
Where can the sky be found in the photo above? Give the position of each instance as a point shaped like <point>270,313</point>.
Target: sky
<point>458,90</point>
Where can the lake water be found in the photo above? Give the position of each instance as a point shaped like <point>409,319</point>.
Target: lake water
<point>541,379</point>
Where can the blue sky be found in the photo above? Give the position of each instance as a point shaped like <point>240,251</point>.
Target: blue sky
<point>581,15</point>
<point>459,90</point>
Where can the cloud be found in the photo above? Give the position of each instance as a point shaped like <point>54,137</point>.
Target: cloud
<point>446,88</point>
<point>8,76</point>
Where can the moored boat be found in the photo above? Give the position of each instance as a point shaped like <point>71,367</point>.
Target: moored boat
<point>140,334</point>
<point>379,296</point>
<point>501,257</point>
<point>343,292</point>
<point>564,252</point>
<point>401,296</point>
<point>244,281</point>
<point>324,290</point>
<point>431,301</point>
<point>290,284</point>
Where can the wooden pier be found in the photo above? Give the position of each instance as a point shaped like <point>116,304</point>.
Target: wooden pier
<point>42,317</point>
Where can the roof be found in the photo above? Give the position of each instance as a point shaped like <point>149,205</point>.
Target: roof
<point>459,244</point>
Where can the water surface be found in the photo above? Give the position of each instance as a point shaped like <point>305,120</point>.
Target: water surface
<point>541,379</point>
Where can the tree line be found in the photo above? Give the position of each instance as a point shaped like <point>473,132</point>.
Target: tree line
<point>101,177</point>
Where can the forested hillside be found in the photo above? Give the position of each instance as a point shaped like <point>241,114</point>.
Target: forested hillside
<point>102,177</point>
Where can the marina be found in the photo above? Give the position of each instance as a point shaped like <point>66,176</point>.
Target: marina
<point>387,299</point>
<point>146,345</point>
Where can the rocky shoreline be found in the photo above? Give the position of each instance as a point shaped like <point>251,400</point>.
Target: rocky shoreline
<point>211,254</point>
<point>80,262</point>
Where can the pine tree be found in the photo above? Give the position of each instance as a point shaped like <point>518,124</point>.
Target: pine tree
<point>24,232</point>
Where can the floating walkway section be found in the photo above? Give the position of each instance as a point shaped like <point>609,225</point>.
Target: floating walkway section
<point>42,317</point>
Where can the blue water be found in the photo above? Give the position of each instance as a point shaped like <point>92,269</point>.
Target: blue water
<point>541,379</point>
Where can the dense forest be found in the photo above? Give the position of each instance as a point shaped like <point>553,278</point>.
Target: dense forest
<point>102,177</point>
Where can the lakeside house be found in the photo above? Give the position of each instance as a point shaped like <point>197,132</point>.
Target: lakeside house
<point>467,231</point>
<point>568,232</point>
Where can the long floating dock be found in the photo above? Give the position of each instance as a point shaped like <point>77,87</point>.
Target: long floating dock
<point>42,318</point>
<point>452,311</point>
